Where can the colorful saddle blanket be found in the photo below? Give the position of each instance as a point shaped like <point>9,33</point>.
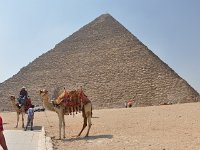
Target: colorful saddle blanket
<point>72,98</point>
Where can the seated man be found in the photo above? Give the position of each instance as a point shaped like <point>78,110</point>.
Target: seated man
<point>23,96</point>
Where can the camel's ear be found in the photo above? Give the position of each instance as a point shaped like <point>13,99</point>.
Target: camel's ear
<point>43,91</point>
<point>40,91</point>
<point>11,96</point>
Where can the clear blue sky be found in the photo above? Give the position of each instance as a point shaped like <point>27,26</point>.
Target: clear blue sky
<point>170,28</point>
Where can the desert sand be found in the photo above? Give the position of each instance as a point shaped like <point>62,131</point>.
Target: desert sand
<point>165,127</point>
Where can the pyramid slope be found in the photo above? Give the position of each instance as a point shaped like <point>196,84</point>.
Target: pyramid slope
<point>109,62</point>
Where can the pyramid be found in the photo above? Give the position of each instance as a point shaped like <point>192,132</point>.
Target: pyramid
<point>110,63</point>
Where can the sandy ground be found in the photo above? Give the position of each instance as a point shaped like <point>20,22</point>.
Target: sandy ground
<point>167,127</point>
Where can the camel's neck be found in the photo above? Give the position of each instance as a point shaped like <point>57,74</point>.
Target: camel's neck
<point>15,106</point>
<point>47,105</point>
<point>13,102</point>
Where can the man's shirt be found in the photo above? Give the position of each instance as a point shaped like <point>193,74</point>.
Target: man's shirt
<point>30,112</point>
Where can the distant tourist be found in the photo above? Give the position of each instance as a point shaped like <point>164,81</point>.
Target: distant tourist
<point>129,103</point>
<point>2,138</point>
<point>125,104</point>
<point>30,117</point>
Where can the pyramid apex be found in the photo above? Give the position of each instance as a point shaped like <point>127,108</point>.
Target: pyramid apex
<point>103,17</point>
<point>106,15</point>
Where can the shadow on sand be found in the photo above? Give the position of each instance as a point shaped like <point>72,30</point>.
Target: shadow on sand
<point>35,128</point>
<point>95,117</point>
<point>89,138</point>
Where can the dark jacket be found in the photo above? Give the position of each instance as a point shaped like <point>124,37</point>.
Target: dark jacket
<point>23,94</point>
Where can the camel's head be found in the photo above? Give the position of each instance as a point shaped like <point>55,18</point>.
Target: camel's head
<point>12,98</point>
<point>43,92</point>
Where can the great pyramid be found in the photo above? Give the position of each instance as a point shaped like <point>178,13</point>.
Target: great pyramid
<point>109,62</point>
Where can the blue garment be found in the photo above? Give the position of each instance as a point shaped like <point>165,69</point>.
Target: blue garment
<point>30,118</point>
<point>21,100</point>
<point>30,112</point>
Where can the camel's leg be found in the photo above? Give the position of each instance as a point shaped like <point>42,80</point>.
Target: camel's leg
<point>60,125</point>
<point>17,119</point>
<point>63,120</point>
<point>89,125</point>
<point>88,114</point>
<point>84,125</point>
<point>22,120</point>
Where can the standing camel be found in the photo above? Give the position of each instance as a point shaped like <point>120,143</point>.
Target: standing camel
<point>62,110</point>
<point>18,110</point>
